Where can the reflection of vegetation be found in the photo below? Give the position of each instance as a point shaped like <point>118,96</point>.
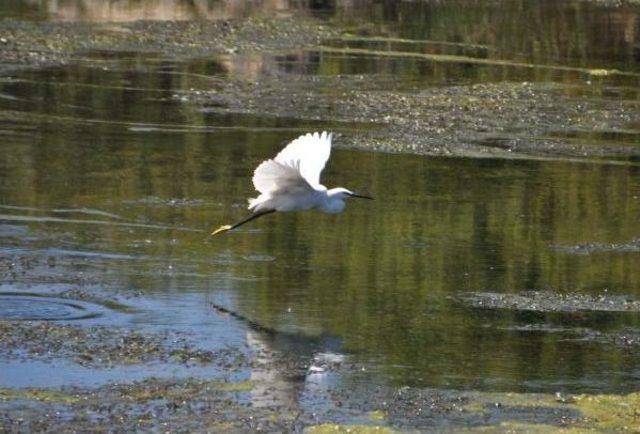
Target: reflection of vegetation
<point>379,275</point>
<point>534,32</point>
<point>131,10</point>
<point>562,36</point>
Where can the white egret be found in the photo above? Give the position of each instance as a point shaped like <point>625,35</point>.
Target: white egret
<point>291,181</point>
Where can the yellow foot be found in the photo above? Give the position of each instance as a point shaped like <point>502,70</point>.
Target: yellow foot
<point>221,229</point>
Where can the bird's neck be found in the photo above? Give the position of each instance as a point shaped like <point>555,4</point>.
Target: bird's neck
<point>334,201</point>
<point>335,193</point>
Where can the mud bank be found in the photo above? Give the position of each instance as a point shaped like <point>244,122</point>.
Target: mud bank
<point>507,119</point>
<point>275,390</point>
<point>199,405</point>
<point>43,43</point>
<point>547,301</point>
<point>96,346</point>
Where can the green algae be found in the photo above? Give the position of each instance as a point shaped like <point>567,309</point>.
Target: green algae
<point>41,395</point>
<point>377,415</point>
<point>329,428</point>
<point>594,413</point>
<point>525,428</point>
<point>611,412</point>
<point>481,399</point>
<point>241,386</point>
<point>599,413</point>
<point>180,391</point>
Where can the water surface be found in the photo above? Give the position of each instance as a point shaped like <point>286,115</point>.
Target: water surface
<point>107,169</point>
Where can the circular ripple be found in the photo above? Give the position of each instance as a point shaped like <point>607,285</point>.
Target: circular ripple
<point>20,307</point>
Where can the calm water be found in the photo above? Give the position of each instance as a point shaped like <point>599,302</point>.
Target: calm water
<point>109,139</point>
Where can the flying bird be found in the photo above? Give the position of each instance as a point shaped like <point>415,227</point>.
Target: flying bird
<point>291,181</point>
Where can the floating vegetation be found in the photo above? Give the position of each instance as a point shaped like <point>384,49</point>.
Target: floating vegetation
<point>546,301</point>
<point>589,248</point>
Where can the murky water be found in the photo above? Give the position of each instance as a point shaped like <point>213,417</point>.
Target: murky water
<point>110,177</point>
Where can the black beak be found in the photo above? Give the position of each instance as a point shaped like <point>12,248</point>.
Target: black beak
<point>360,196</point>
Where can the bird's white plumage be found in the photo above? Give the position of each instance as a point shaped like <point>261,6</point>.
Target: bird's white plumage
<point>271,176</point>
<point>290,180</point>
<point>307,155</point>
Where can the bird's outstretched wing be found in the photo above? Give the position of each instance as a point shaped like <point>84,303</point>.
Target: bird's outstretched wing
<point>272,176</point>
<point>305,157</point>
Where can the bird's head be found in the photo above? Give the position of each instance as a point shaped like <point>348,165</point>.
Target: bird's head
<point>343,193</point>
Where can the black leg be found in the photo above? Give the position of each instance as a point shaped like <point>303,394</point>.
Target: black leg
<point>241,222</point>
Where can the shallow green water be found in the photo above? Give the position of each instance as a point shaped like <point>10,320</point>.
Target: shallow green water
<point>104,159</point>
